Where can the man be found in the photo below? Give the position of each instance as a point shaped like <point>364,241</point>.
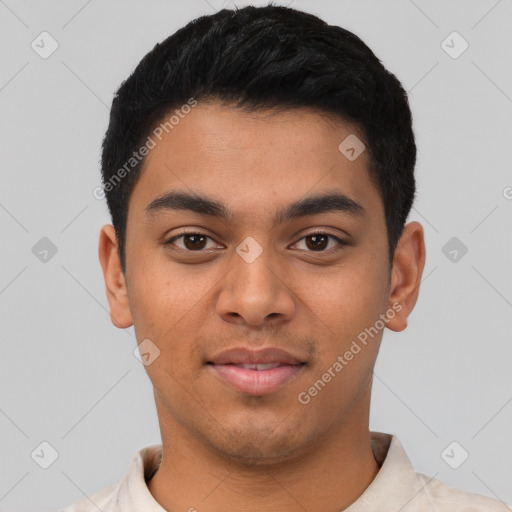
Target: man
<point>259,170</point>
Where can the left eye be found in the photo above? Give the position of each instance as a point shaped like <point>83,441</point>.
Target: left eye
<point>319,242</point>
<point>315,242</point>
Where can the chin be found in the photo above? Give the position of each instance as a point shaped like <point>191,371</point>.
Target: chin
<point>253,454</point>
<point>264,446</point>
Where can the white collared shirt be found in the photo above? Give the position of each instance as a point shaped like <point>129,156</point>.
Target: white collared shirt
<point>396,488</point>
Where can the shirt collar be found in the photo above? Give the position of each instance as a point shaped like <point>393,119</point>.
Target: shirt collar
<point>396,483</point>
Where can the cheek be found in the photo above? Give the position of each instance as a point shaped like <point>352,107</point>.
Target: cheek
<point>348,304</point>
<point>345,302</point>
<point>167,308</point>
<point>160,292</point>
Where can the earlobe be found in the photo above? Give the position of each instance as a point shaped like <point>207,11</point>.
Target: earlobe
<point>115,283</point>
<point>408,265</point>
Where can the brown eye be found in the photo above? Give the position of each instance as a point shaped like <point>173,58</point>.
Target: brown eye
<point>315,242</point>
<point>319,242</point>
<point>194,242</point>
<point>191,241</point>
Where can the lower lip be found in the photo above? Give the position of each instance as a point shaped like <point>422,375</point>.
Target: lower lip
<point>256,382</point>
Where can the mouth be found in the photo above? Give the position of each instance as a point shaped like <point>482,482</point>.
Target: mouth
<point>259,366</point>
<point>256,372</point>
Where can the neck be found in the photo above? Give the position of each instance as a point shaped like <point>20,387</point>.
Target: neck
<point>330,476</point>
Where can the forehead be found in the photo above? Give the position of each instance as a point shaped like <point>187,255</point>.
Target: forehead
<point>250,160</point>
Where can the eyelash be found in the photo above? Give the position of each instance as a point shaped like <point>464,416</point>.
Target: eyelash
<point>340,241</point>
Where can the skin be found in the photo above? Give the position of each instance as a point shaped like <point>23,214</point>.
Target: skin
<point>223,448</point>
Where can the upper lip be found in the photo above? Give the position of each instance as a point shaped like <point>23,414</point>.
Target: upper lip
<point>242,355</point>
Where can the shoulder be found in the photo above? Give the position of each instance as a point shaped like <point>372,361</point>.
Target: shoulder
<point>98,500</point>
<point>446,498</point>
<point>130,493</point>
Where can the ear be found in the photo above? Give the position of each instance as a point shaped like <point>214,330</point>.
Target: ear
<point>115,283</point>
<point>408,264</point>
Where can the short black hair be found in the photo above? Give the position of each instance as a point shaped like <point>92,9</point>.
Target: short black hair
<point>254,58</point>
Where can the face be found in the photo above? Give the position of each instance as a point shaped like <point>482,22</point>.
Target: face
<point>268,317</point>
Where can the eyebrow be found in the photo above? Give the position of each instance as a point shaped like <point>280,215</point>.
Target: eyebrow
<point>203,205</point>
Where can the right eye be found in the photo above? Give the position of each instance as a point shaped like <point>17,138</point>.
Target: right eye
<point>193,241</point>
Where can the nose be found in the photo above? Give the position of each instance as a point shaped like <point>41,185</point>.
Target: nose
<point>256,290</point>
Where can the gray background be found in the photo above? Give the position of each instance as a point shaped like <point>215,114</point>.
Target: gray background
<point>69,377</point>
